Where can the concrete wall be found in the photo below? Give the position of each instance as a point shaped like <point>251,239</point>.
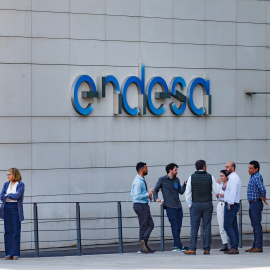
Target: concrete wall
<point>45,45</point>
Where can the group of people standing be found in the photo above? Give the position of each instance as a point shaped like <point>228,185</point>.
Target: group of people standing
<point>199,189</point>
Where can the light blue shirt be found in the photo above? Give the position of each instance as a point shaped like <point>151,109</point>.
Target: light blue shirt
<point>139,194</point>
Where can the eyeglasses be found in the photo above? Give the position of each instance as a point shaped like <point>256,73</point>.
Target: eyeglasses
<point>8,174</point>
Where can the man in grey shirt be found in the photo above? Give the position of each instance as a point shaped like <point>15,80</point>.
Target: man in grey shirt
<point>171,188</point>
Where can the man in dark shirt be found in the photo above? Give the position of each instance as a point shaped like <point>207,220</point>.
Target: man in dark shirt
<point>171,187</point>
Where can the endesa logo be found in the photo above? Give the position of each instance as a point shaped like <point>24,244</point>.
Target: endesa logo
<point>144,94</point>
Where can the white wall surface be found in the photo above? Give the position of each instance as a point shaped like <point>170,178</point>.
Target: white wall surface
<point>63,157</point>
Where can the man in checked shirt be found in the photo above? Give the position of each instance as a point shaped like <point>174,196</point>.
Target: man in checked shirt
<point>256,195</point>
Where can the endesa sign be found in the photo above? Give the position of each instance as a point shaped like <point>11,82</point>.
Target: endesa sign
<point>144,93</point>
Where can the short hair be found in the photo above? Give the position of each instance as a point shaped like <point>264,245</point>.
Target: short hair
<point>233,165</point>
<point>256,164</point>
<point>16,174</point>
<point>171,167</point>
<point>139,166</point>
<point>200,164</point>
<point>224,172</point>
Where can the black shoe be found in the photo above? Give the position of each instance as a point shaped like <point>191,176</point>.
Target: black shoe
<point>224,249</point>
<point>151,250</point>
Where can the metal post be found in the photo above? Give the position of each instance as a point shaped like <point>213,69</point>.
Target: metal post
<point>202,234</point>
<point>35,212</point>
<point>240,225</point>
<point>78,227</point>
<point>120,233</point>
<point>162,227</point>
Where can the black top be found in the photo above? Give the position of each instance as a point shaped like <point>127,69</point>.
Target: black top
<point>201,186</point>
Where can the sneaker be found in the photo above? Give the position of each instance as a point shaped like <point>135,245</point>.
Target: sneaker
<point>176,249</point>
<point>183,248</point>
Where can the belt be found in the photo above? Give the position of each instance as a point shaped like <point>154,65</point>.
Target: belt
<point>231,204</point>
<point>140,203</point>
<point>11,202</point>
<point>254,200</point>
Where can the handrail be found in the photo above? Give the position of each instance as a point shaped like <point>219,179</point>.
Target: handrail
<point>120,227</point>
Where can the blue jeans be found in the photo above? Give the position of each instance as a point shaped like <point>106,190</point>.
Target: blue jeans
<point>198,211</point>
<point>175,216</point>
<point>12,227</point>
<point>255,214</point>
<point>230,224</point>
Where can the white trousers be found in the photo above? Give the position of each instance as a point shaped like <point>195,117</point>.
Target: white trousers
<point>220,218</point>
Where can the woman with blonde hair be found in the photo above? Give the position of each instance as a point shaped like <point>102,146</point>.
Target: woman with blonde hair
<point>12,213</point>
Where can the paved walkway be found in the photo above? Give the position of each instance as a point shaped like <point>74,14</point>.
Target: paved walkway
<point>159,260</point>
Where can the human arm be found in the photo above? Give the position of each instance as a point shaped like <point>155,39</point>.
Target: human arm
<point>18,194</point>
<point>3,197</point>
<point>259,183</point>
<point>188,193</point>
<point>181,189</point>
<point>156,191</point>
<point>215,186</point>
<point>232,186</point>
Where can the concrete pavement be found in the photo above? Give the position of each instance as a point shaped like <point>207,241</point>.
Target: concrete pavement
<point>158,260</point>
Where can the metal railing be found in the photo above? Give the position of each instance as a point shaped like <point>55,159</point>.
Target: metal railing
<point>120,226</point>
<point>118,219</point>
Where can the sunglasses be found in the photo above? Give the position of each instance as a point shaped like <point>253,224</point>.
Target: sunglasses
<point>8,174</point>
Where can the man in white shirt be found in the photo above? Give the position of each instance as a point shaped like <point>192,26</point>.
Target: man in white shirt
<point>200,187</point>
<point>232,199</point>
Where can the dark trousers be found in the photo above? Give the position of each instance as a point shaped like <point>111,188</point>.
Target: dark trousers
<point>230,224</point>
<point>145,220</point>
<point>198,211</point>
<point>175,216</point>
<point>255,214</point>
<point>12,227</point>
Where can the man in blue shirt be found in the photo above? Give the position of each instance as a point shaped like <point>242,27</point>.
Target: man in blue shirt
<point>141,197</point>
<point>256,195</point>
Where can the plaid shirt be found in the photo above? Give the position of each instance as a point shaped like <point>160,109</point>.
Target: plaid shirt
<point>256,189</point>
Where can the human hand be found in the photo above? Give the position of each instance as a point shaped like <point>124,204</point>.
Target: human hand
<point>229,207</point>
<point>8,200</point>
<point>264,200</point>
<point>5,195</point>
<point>217,195</point>
<point>151,191</point>
<point>218,181</point>
<point>221,194</point>
<point>159,200</point>
<point>186,182</point>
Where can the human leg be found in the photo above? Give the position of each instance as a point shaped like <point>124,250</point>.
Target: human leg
<point>207,218</point>
<point>220,218</point>
<point>255,214</point>
<point>195,217</point>
<point>174,216</point>
<point>8,230</point>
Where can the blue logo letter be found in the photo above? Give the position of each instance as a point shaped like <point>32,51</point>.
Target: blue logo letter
<point>206,88</point>
<point>85,94</point>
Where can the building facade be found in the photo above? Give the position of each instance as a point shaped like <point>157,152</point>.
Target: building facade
<point>68,157</point>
